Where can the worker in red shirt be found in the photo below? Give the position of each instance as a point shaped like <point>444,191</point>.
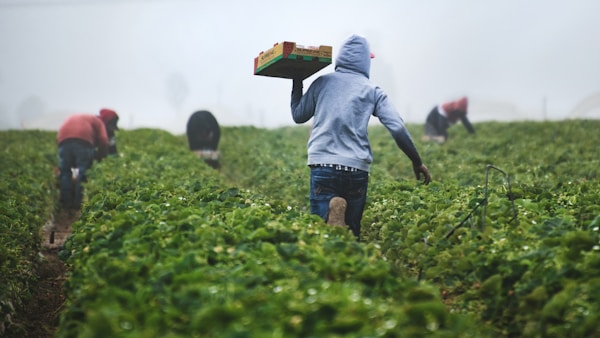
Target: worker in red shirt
<point>81,138</point>
<point>443,116</point>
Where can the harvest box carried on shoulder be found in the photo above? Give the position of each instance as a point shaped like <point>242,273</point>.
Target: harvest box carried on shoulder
<point>288,60</point>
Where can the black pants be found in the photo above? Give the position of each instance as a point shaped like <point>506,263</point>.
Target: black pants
<point>436,124</point>
<point>73,153</point>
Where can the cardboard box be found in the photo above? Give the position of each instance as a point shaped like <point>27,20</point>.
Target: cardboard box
<point>289,60</point>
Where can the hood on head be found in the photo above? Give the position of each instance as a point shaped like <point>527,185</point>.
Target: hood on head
<point>458,105</point>
<point>355,56</point>
<point>108,115</point>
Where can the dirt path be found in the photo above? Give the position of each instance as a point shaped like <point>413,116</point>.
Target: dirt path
<point>40,316</point>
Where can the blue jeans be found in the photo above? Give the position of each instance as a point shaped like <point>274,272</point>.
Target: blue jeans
<point>326,183</point>
<point>73,154</point>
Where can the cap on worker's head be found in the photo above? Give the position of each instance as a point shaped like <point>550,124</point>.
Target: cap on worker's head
<point>107,115</point>
<point>372,56</point>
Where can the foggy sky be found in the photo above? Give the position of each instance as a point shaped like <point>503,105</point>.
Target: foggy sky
<point>157,61</point>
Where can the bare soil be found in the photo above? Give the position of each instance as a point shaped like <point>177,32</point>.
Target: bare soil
<point>40,316</point>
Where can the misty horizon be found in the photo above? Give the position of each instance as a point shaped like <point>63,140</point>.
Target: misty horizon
<point>157,62</point>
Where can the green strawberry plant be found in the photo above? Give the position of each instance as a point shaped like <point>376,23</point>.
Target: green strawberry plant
<point>27,195</point>
<point>170,249</point>
<point>167,246</point>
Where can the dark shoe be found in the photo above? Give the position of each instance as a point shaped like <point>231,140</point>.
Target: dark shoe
<point>64,206</point>
<point>337,211</point>
<point>75,207</point>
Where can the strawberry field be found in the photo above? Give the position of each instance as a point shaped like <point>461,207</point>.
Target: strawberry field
<point>504,242</point>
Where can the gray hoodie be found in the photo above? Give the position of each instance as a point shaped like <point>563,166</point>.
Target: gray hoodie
<point>341,104</point>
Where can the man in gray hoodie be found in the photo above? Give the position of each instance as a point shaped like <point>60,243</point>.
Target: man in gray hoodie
<point>339,153</point>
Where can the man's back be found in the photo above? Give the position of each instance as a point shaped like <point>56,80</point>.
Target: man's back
<point>85,127</point>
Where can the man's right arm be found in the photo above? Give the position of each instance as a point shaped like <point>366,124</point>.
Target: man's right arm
<point>101,138</point>
<point>468,125</point>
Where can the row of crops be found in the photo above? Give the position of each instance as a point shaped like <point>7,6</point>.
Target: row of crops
<point>27,196</point>
<point>536,274</point>
<point>168,247</point>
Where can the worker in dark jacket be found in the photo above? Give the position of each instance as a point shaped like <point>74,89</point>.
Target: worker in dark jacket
<point>203,134</point>
<point>81,138</point>
<point>443,116</point>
